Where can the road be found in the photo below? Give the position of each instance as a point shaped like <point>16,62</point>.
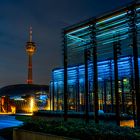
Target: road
<point>8,121</point>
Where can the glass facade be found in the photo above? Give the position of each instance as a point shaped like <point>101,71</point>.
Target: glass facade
<point>76,88</point>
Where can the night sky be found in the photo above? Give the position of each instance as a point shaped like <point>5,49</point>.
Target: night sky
<point>48,18</point>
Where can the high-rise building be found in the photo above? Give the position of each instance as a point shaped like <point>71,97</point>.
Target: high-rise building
<point>30,49</point>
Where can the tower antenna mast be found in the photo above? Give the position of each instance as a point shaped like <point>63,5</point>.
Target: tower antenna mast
<point>30,49</point>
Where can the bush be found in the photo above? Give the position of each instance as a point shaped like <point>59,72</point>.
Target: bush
<point>77,128</point>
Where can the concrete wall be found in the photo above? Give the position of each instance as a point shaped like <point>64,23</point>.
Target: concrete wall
<point>19,134</point>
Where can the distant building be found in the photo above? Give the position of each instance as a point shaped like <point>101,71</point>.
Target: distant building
<point>24,98</point>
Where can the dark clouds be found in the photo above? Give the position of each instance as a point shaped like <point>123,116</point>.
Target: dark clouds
<point>47,18</point>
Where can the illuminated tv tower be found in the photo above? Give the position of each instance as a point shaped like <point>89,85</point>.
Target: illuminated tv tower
<point>30,49</point>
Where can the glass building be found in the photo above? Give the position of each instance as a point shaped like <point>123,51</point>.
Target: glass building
<point>101,64</point>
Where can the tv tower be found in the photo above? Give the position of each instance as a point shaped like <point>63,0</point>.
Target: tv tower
<point>30,49</point>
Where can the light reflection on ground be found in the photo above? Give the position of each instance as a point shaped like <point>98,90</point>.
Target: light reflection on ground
<point>8,121</point>
<point>26,114</point>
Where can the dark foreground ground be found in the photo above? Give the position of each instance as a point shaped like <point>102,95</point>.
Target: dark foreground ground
<point>6,133</point>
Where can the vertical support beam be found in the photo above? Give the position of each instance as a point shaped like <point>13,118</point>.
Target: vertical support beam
<point>95,70</point>
<point>132,15</point>
<point>86,86</point>
<point>132,89</point>
<point>102,91</point>
<point>136,71</point>
<point>90,98</point>
<point>95,84</point>
<point>65,79</point>
<point>134,107</point>
<point>123,97</point>
<point>111,87</point>
<point>105,96</point>
<point>136,75</point>
<point>112,97</point>
<point>116,83</point>
<point>77,91</point>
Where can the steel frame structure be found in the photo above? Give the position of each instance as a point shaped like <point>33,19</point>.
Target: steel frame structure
<point>103,67</point>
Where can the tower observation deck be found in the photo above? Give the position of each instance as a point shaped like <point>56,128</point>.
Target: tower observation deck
<point>30,49</point>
